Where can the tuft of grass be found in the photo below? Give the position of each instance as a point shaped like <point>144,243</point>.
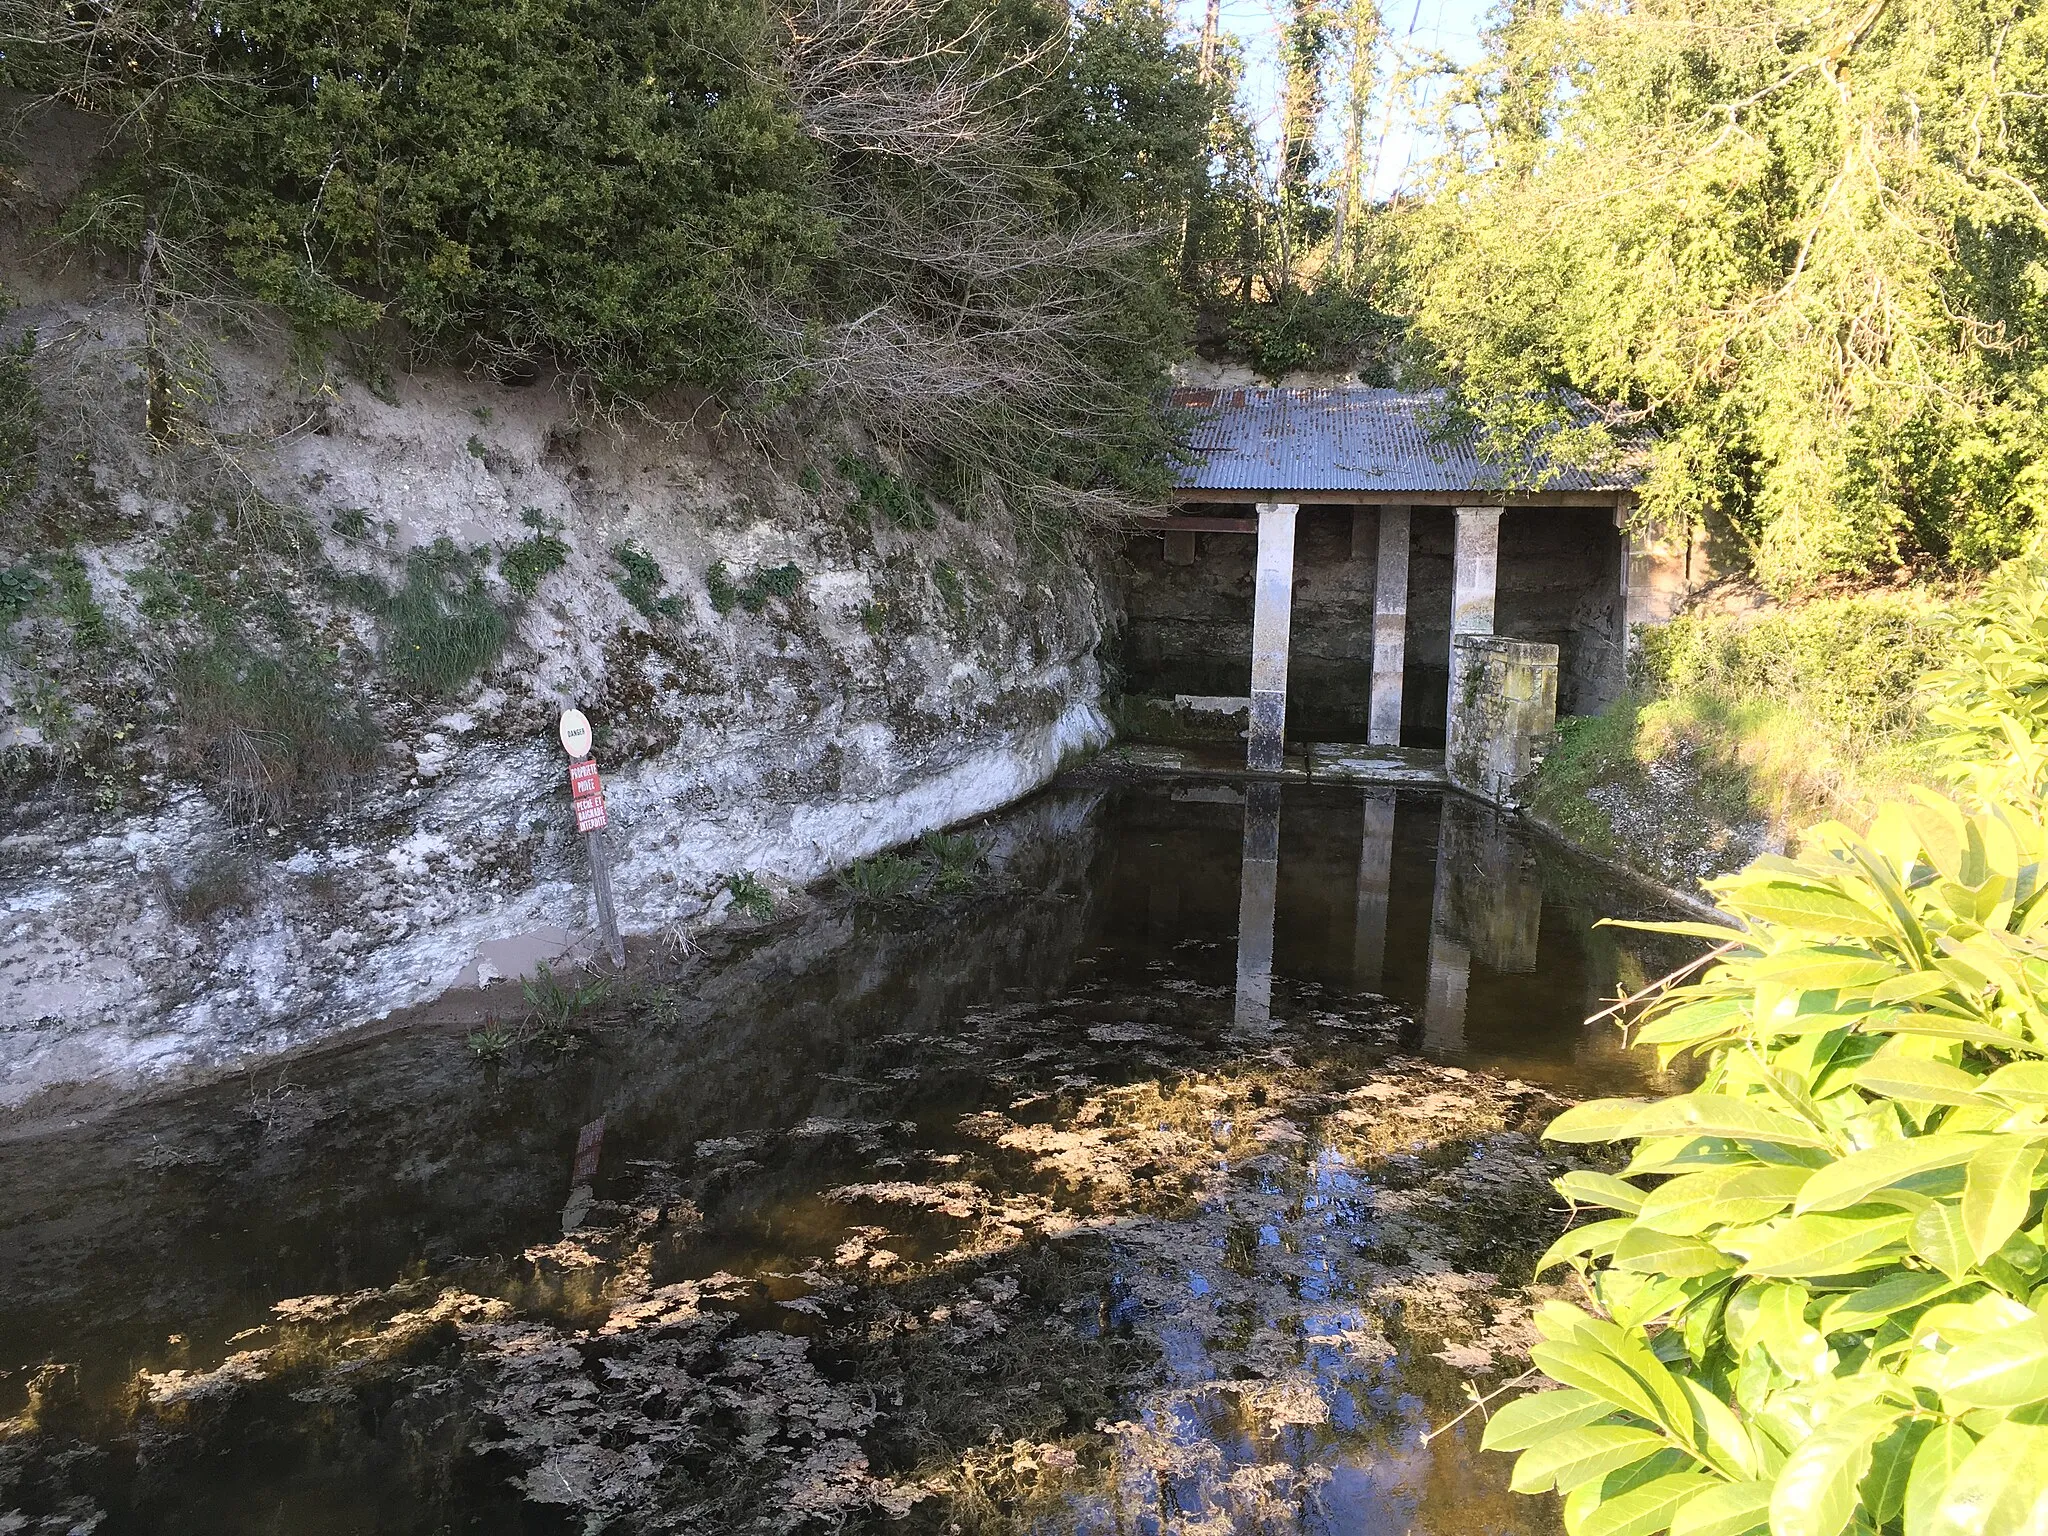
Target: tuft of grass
<point>78,607</point>
<point>526,564</point>
<point>810,481</point>
<point>555,1007</point>
<point>490,1043</point>
<point>885,877</point>
<point>443,627</point>
<point>351,523</point>
<point>212,886</point>
<point>750,897</point>
<point>952,591</point>
<point>268,732</point>
<point>955,859</point>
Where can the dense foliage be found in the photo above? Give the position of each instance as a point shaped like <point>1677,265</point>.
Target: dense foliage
<point>955,222</point>
<point>1805,244</point>
<point>1819,1307</point>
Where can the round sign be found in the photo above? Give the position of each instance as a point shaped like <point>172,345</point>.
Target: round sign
<point>575,733</point>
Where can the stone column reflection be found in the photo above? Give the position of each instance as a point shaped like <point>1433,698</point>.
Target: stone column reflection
<point>1488,906</point>
<point>1450,962</point>
<point>1375,885</point>
<point>1258,891</point>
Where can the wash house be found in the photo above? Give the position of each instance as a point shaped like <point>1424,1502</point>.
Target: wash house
<point>1327,549</point>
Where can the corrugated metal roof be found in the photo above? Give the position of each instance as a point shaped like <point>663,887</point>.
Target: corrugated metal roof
<point>1375,441</point>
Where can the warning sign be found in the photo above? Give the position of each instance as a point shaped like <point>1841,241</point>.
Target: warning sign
<point>590,814</point>
<point>583,779</point>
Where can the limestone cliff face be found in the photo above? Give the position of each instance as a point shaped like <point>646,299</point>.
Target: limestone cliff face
<point>783,677</point>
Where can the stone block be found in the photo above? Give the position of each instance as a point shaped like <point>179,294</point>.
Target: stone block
<point>1503,714</point>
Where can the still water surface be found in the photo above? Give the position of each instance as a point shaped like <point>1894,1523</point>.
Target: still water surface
<point>1140,1188</point>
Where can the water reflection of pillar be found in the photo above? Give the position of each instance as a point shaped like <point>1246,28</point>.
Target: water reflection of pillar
<point>1375,882</point>
<point>1258,890</point>
<point>1450,962</point>
<point>1488,906</point>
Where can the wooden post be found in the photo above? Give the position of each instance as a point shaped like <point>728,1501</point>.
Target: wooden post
<point>1272,606</point>
<point>1389,627</point>
<point>587,795</point>
<point>601,885</point>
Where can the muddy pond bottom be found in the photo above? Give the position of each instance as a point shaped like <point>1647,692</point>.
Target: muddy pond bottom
<point>1168,1163</point>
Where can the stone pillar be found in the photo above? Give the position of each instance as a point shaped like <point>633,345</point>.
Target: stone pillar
<point>1450,962</point>
<point>1375,885</point>
<point>1272,607</point>
<point>1474,566</point>
<point>1257,894</point>
<point>1389,627</point>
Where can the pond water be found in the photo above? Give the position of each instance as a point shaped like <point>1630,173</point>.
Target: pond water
<point>1173,1173</point>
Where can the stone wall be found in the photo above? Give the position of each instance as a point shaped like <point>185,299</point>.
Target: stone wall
<point>1503,714</point>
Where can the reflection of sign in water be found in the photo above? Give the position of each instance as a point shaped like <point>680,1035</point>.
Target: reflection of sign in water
<point>589,1148</point>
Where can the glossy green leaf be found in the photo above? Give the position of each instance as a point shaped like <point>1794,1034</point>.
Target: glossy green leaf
<point>1720,1114</point>
<point>1919,1082</point>
<point>1595,1120</point>
<point>2007,1369</point>
<point>1856,1176</point>
<point>1644,1250</point>
<point>1822,1244</point>
<point>1998,1193</point>
<point>1529,1419</point>
<point>2021,1082</point>
<point>1690,1203</point>
<point>1595,1237</point>
<point>1583,1186</point>
<point>1810,909</point>
<point>1938,1237</point>
<point>2001,1488</point>
<point>1645,1510</point>
<point>1884,1486</point>
<point>1596,1371</point>
<point>1895,1293</point>
<point>1570,1457</point>
<point>1816,1490</point>
<point>1935,1465</point>
<point>1732,1509</point>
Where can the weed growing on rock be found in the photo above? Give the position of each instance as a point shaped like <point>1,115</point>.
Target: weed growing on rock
<point>214,885</point>
<point>490,1043</point>
<point>531,560</point>
<point>642,581</point>
<point>951,591</point>
<point>476,447</point>
<point>810,482</point>
<point>19,587</point>
<point>874,616</point>
<point>903,503</point>
<point>21,414</point>
<point>351,523</point>
<point>766,582</point>
<point>750,897</point>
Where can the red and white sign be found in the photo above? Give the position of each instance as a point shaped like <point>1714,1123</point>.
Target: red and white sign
<point>590,815</point>
<point>583,779</point>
